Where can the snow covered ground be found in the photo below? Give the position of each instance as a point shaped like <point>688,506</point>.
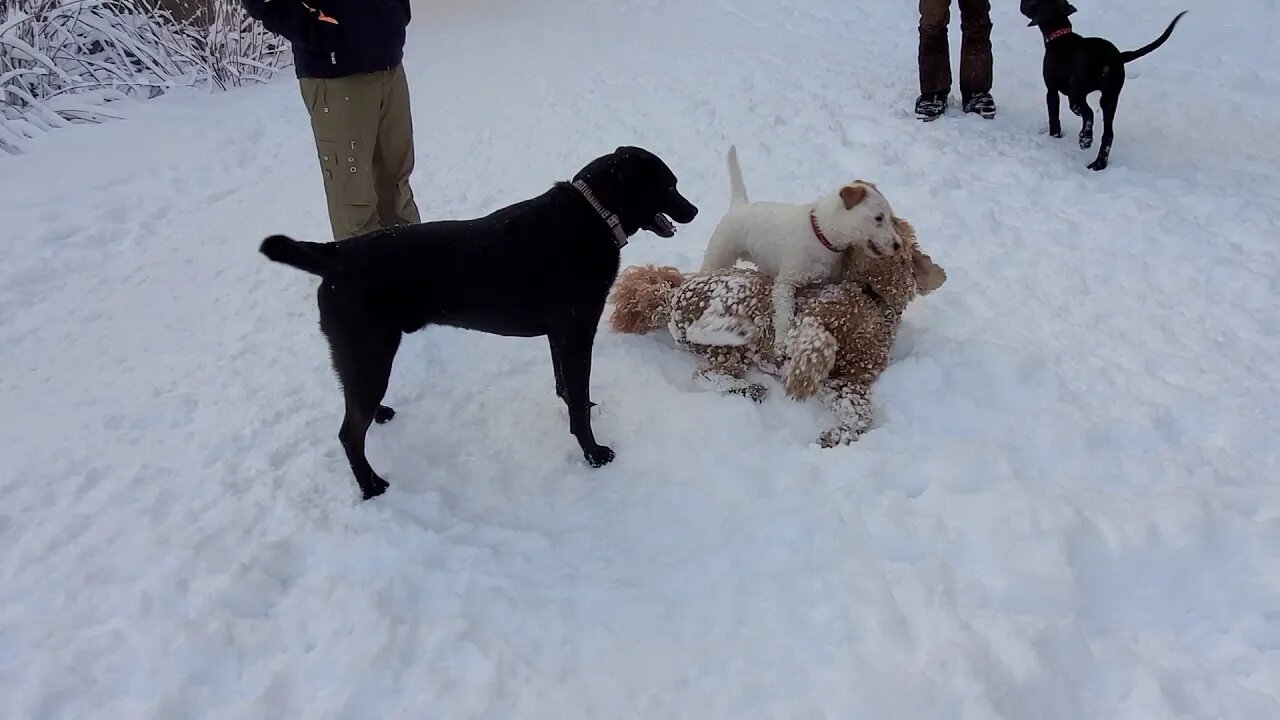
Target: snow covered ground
<point>1069,508</point>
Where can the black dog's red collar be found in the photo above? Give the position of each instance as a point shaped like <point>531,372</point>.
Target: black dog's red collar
<point>1056,34</point>
<point>813,222</point>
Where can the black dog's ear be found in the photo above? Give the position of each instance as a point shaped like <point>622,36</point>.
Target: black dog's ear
<point>621,169</point>
<point>1032,10</point>
<point>618,166</point>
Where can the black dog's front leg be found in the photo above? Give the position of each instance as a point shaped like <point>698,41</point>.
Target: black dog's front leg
<point>558,368</point>
<point>1053,102</point>
<point>573,350</point>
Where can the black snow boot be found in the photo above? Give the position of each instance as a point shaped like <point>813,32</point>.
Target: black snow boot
<point>982,104</point>
<point>931,106</point>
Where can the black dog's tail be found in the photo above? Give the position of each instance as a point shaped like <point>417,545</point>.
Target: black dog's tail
<point>1131,55</point>
<point>315,258</point>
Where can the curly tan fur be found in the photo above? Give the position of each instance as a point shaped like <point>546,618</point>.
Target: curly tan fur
<point>838,346</point>
<point>813,352</point>
<point>641,298</point>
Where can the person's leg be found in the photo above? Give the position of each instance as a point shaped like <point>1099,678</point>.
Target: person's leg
<point>344,120</point>
<point>934,51</point>
<point>934,58</point>
<point>393,156</point>
<point>975,57</point>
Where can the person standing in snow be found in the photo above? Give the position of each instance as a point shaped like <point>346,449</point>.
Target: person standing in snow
<point>347,56</point>
<point>935,58</point>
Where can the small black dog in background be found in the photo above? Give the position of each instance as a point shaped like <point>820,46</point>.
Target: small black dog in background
<point>1076,66</point>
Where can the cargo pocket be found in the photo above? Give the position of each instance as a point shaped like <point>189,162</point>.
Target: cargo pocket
<point>329,165</point>
<point>354,172</point>
<point>340,119</point>
<point>349,184</point>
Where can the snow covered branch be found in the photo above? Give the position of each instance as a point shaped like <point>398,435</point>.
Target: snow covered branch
<point>62,61</point>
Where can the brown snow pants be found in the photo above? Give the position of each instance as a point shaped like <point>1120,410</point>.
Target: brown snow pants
<point>364,138</point>
<point>975,49</point>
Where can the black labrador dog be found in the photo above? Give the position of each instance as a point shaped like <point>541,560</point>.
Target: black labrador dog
<point>1076,66</point>
<point>540,267</point>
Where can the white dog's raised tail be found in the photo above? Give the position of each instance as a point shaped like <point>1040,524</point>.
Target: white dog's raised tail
<point>737,188</point>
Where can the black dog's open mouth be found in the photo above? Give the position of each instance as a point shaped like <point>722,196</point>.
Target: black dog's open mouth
<point>662,226</point>
<point>678,210</point>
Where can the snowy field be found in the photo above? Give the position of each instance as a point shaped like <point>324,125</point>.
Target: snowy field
<point>1069,508</point>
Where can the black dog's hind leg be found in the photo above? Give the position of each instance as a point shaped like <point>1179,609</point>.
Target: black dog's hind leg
<point>573,346</point>
<point>1078,99</point>
<point>1110,100</point>
<point>362,358</point>
<point>1053,102</point>
<point>1080,104</point>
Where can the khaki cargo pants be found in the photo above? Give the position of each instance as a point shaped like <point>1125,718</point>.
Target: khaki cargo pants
<point>975,48</point>
<point>364,136</point>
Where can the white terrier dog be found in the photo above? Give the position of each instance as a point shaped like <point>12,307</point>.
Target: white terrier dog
<point>799,244</point>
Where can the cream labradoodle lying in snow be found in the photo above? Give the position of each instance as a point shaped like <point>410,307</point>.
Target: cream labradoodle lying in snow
<point>838,344</point>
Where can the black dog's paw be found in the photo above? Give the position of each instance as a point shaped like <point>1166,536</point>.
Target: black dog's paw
<point>1056,133</point>
<point>599,456</point>
<point>383,415</point>
<point>1086,141</point>
<point>1099,164</point>
<point>375,487</point>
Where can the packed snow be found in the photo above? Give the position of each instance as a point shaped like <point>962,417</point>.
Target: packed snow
<point>1068,507</point>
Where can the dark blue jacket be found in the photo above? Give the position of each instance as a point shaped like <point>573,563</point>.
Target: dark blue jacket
<point>369,35</point>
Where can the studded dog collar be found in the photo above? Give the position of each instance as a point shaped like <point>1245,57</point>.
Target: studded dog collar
<point>610,219</point>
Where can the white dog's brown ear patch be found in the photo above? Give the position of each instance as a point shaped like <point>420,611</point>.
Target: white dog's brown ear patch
<point>852,195</point>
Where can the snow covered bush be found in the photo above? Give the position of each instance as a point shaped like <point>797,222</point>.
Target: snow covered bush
<point>65,61</point>
<point>237,48</point>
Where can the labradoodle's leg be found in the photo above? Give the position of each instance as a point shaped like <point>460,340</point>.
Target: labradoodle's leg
<point>725,372</point>
<point>850,402</point>
<point>812,352</point>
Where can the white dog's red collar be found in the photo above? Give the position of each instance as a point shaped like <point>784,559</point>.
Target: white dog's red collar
<point>817,231</point>
<point>614,223</point>
<point>1056,34</point>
